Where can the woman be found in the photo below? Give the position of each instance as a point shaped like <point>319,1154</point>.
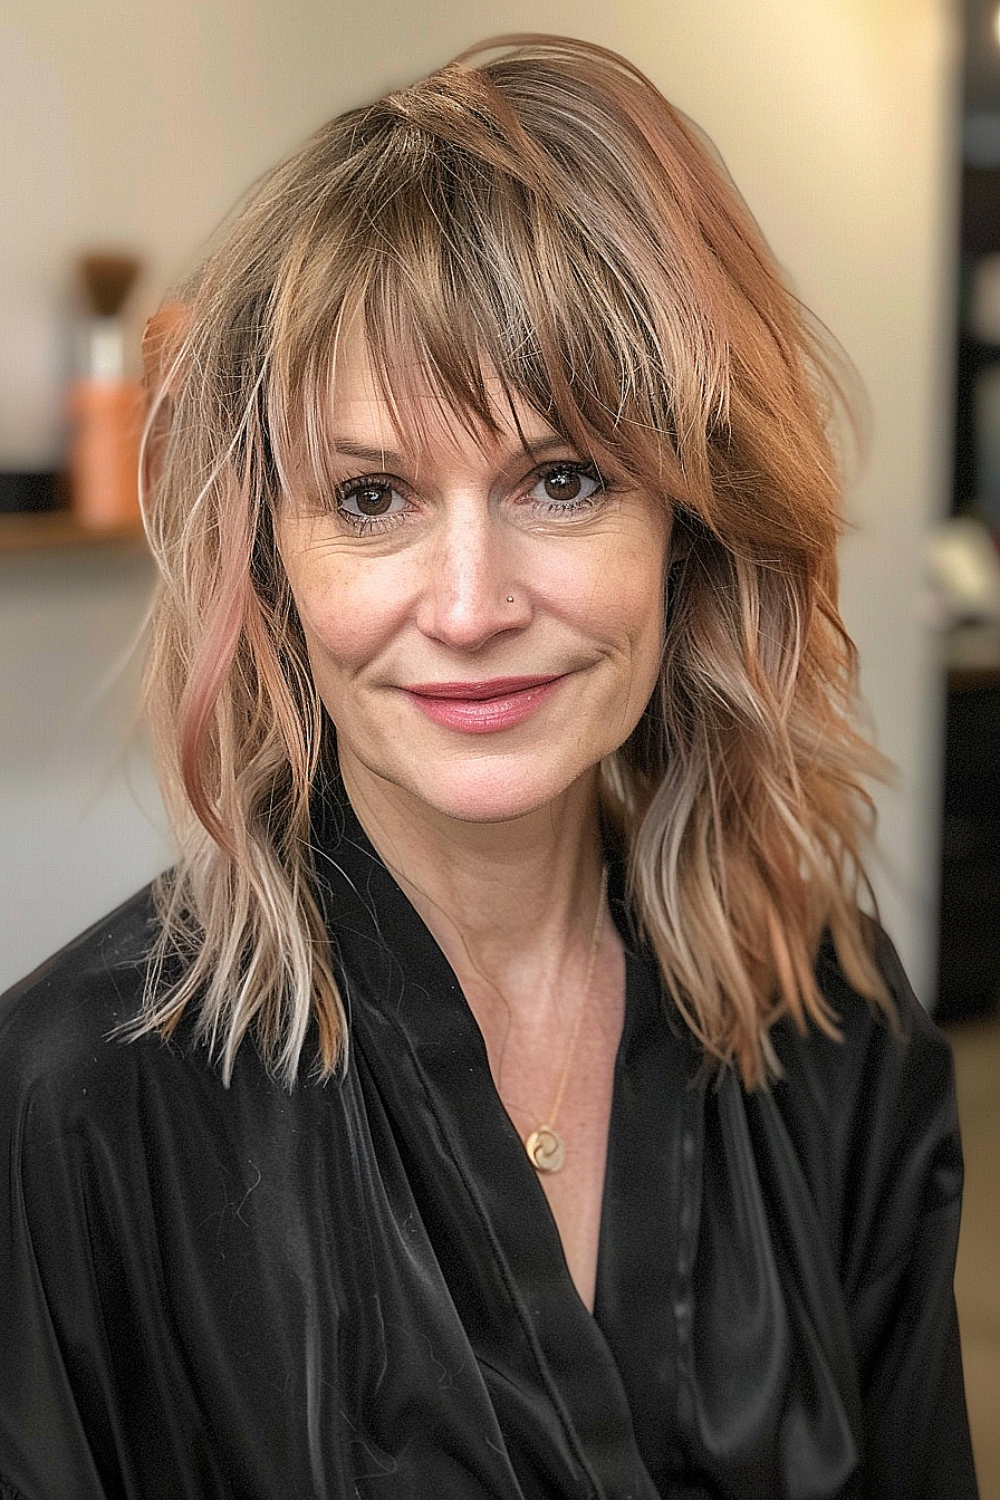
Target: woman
<point>504,1096</point>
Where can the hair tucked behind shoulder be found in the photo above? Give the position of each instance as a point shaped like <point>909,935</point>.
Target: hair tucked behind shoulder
<point>546,219</point>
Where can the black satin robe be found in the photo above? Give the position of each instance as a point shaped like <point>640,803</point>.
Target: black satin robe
<point>357,1290</point>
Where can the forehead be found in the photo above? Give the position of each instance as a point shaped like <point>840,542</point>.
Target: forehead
<point>405,411</point>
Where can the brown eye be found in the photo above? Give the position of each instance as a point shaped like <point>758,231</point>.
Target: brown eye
<point>563,484</point>
<point>363,500</point>
<point>374,501</point>
<point>567,487</point>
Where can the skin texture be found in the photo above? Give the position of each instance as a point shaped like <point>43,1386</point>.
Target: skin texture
<point>489,818</point>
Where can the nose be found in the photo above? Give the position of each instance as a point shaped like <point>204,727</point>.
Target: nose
<point>470,592</point>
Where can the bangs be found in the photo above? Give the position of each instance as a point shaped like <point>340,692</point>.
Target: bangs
<point>482,277</point>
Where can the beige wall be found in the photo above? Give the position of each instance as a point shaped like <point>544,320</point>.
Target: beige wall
<point>140,124</point>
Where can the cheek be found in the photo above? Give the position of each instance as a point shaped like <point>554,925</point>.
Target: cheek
<point>331,635</point>
<point>629,590</point>
<point>346,612</point>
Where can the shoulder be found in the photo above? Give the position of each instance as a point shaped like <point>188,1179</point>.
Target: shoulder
<point>96,978</point>
<point>871,1114</point>
<point>69,1079</point>
<point>92,965</point>
<point>132,1127</point>
<point>57,1024</point>
<point>883,1061</point>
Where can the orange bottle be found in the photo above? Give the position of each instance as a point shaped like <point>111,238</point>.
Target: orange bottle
<point>107,417</point>
<point>106,409</point>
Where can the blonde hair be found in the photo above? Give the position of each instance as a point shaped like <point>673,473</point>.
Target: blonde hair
<point>548,219</point>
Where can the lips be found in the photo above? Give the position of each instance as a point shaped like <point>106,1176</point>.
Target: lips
<point>484,707</point>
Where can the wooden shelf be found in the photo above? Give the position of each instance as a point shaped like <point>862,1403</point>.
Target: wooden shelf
<point>39,531</point>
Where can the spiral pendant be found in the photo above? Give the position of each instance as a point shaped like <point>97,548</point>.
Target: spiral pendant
<point>546,1149</point>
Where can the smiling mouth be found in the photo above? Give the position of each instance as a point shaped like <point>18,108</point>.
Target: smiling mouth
<point>483,707</point>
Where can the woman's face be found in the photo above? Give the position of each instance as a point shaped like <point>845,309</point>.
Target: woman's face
<point>484,623</point>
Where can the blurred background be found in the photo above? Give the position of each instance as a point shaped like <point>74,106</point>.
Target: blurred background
<point>865,135</point>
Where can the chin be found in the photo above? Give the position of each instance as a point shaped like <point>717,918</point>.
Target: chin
<point>489,810</point>
<point>484,792</point>
<point>501,798</point>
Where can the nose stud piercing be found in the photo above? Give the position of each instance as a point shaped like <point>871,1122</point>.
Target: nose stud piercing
<point>510,598</point>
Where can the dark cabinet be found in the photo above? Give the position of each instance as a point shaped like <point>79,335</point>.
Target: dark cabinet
<point>969,952</point>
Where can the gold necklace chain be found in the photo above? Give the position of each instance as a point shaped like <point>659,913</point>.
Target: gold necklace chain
<point>545,1146</point>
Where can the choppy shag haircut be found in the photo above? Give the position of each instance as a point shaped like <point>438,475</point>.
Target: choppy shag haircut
<point>545,218</point>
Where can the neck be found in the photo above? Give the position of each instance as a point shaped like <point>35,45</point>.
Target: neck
<point>505,901</point>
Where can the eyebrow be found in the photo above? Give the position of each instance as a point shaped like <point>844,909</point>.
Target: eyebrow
<point>389,458</point>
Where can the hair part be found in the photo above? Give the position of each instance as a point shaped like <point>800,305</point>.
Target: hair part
<point>546,220</point>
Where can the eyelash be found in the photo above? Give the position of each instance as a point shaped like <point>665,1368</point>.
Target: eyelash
<point>375,525</point>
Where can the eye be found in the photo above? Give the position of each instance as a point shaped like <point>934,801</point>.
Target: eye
<point>567,485</point>
<point>369,499</point>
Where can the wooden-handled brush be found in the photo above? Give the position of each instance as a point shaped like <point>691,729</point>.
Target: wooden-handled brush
<point>108,279</point>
